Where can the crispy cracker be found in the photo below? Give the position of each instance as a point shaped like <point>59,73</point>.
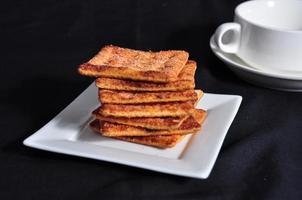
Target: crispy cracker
<point>160,141</point>
<point>166,109</point>
<point>189,125</point>
<point>188,71</point>
<point>117,62</point>
<point>199,96</point>
<point>184,81</point>
<point>159,123</point>
<point>128,85</point>
<point>129,97</point>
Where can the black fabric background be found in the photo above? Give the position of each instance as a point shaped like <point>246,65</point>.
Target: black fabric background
<point>42,43</point>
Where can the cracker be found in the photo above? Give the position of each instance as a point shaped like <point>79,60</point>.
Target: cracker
<point>131,97</point>
<point>123,63</point>
<point>189,125</point>
<point>184,81</point>
<point>167,109</point>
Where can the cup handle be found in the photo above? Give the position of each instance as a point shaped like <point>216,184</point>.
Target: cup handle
<point>233,45</point>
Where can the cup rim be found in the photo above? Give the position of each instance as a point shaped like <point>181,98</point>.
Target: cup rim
<point>263,26</point>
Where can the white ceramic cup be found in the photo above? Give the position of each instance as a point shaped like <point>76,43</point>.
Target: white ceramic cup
<point>266,34</point>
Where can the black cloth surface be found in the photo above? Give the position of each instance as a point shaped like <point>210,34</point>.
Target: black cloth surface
<point>43,42</point>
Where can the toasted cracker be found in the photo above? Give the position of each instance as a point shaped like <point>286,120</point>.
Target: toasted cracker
<point>185,81</point>
<point>199,96</point>
<point>129,97</point>
<point>188,71</point>
<point>158,123</point>
<point>128,85</point>
<point>189,125</point>
<point>160,141</point>
<point>167,109</point>
<point>117,62</point>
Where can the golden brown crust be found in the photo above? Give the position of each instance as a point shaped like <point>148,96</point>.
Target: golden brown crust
<point>111,130</point>
<point>127,97</point>
<point>159,123</point>
<point>128,85</point>
<point>171,109</point>
<point>188,72</point>
<point>199,94</point>
<point>199,115</point>
<point>160,141</point>
<point>117,62</point>
<point>189,125</point>
<point>184,81</point>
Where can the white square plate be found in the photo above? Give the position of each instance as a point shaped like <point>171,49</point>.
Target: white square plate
<point>195,156</point>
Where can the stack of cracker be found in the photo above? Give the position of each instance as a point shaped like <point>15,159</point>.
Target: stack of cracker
<point>146,97</point>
